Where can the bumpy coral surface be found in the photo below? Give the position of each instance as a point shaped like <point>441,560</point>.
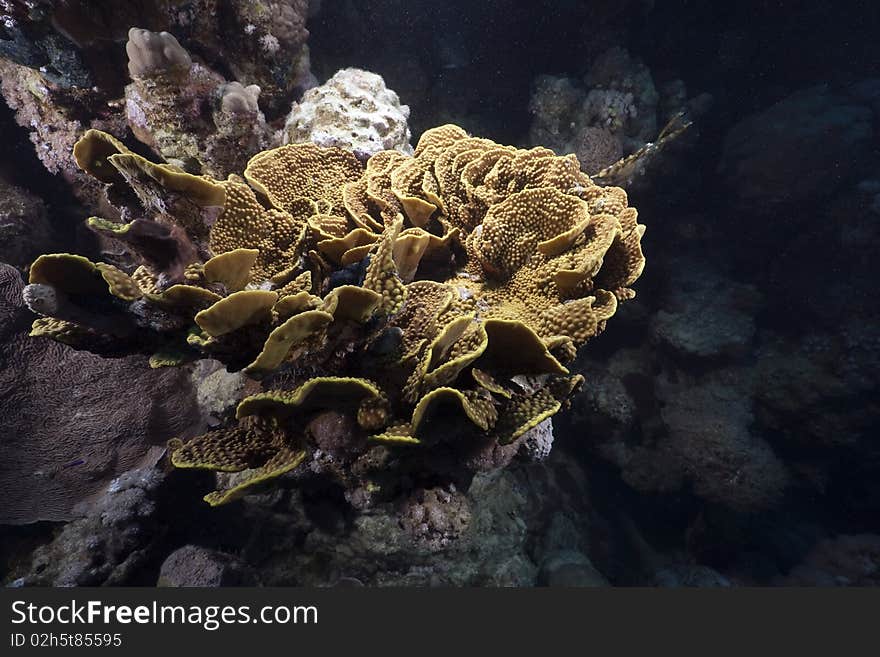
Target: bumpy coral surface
<point>622,97</point>
<point>354,110</point>
<point>433,300</point>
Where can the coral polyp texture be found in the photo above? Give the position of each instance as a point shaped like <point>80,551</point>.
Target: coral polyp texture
<point>353,110</point>
<point>431,302</point>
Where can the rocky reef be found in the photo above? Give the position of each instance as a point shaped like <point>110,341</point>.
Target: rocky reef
<point>70,66</point>
<point>24,225</point>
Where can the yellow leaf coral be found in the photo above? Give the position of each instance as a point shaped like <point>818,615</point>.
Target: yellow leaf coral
<point>232,268</point>
<point>245,223</point>
<point>236,310</point>
<point>295,171</point>
<point>432,299</point>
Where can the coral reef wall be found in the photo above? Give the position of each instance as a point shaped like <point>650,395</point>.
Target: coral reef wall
<point>724,432</point>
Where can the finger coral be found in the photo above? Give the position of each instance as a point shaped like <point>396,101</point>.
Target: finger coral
<point>434,299</point>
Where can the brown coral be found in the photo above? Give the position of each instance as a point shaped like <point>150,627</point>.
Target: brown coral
<point>288,173</point>
<point>466,273</point>
<point>155,53</point>
<point>597,148</point>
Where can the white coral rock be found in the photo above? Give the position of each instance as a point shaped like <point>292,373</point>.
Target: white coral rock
<point>352,110</point>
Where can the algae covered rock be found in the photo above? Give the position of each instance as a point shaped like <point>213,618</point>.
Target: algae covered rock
<point>844,560</point>
<point>692,426</point>
<point>192,565</point>
<point>705,315</point>
<point>24,225</point>
<point>494,533</point>
<point>118,536</point>
<point>185,111</point>
<point>569,568</point>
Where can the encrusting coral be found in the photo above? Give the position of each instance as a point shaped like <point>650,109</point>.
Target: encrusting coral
<point>433,299</point>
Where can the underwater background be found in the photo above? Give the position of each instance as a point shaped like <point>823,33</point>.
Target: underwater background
<point>724,431</point>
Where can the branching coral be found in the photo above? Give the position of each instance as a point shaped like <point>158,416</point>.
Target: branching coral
<point>467,274</point>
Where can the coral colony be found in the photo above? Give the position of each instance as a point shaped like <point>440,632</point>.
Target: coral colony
<point>466,273</point>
